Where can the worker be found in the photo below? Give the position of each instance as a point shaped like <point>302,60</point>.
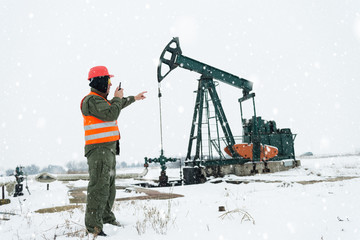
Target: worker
<point>101,145</point>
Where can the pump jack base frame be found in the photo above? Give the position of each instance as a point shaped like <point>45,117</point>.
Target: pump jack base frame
<point>247,169</point>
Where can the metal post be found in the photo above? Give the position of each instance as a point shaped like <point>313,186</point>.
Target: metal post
<point>208,123</point>
<point>199,130</point>
<point>256,140</point>
<point>241,115</point>
<point>192,137</point>
<point>254,106</point>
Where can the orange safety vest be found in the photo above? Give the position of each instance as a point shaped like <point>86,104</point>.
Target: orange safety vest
<point>98,131</point>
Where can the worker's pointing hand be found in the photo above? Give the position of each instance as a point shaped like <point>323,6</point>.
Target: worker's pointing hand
<point>140,96</point>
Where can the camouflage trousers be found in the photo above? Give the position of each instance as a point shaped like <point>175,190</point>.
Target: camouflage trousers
<point>101,189</point>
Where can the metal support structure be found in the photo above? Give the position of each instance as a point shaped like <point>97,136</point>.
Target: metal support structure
<point>206,84</point>
<point>221,115</point>
<point>196,110</point>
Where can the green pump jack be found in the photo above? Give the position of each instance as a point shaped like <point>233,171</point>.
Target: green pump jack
<point>257,133</point>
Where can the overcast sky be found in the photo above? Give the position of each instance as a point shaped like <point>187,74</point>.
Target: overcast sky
<point>302,56</point>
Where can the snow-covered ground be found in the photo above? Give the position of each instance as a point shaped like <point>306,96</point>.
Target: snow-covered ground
<point>319,200</point>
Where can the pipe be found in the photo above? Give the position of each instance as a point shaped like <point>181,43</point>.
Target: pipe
<point>47,177</point>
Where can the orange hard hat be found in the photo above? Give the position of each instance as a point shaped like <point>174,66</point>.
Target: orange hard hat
<point>99,71</point>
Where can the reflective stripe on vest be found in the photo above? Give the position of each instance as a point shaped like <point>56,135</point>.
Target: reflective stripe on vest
<point>98,131</point>
<point>100,125</point>
<point>101,135</point>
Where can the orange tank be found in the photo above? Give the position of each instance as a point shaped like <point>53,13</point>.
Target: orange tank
<point>245,150</point>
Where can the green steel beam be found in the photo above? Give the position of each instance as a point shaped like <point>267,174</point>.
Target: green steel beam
<point>215,73</point>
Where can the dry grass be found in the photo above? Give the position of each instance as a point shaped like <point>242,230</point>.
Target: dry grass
<point>66,229</point>
<point>150,215</point>
<point>245,216</point>
<point>156,218</point>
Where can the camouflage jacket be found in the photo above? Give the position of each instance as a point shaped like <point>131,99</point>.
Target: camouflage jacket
<point>96,106</point>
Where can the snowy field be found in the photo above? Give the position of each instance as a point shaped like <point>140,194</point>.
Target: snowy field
<point>319,200</point>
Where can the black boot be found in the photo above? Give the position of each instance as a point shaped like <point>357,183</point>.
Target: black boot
<point>101,233</point>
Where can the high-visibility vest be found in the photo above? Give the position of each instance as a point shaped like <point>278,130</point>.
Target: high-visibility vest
<point>98,131</point>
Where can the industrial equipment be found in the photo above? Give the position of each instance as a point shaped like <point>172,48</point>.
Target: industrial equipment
<point>163,178</point>
<point>19,175</point>
<point>261,140</point>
